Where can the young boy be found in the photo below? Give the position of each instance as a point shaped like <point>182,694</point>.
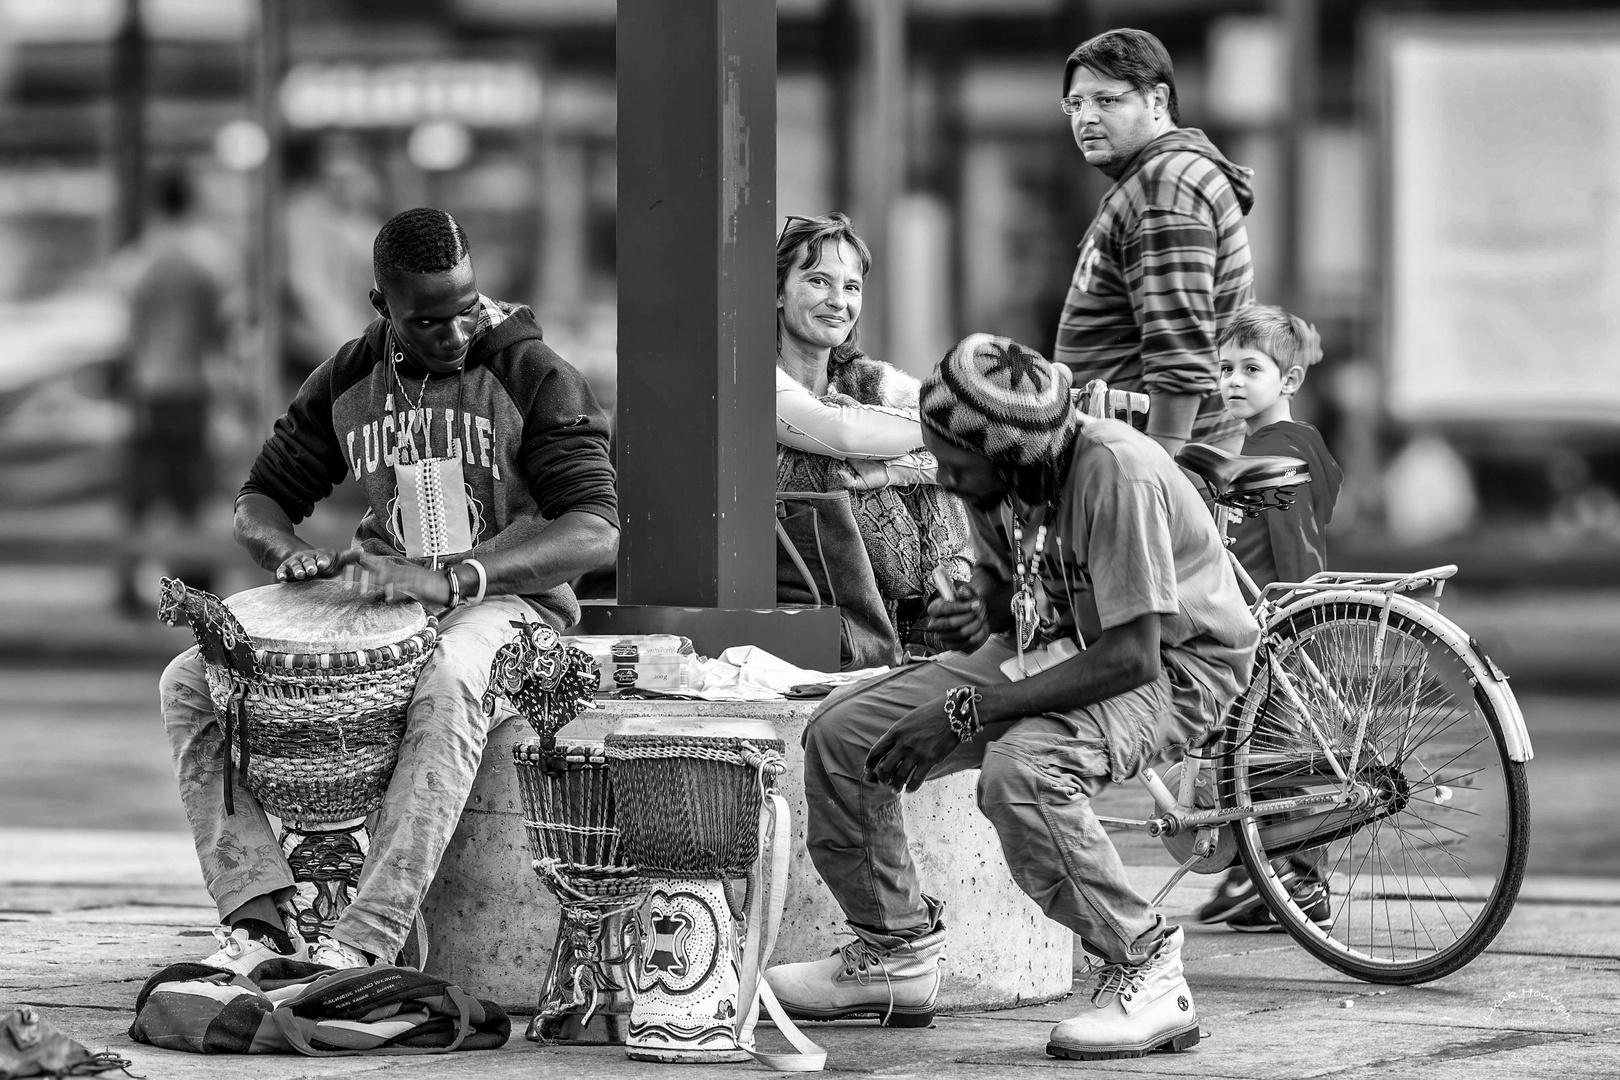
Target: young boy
<point>1265,353</point>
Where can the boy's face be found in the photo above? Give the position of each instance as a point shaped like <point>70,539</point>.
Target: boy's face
<point>1253,387</point>
<point>433,315</point>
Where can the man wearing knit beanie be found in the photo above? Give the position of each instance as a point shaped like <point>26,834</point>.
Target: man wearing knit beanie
<point>1101,626</point>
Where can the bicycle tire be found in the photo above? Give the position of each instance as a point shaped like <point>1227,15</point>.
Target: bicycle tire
<point>1453,806</point>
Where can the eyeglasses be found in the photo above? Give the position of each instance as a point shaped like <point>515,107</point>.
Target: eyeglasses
<point>1106,103</point>
<point>788,224</point>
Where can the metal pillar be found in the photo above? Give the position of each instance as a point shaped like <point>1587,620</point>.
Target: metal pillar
<point>696,407</point>
<point>269,232</point>
<point>879,163</point>
<point>1300,22</point>
<point>130,93</point>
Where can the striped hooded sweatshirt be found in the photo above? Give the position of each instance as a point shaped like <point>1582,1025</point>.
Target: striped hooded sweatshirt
<point>532,440</point>
<point>1162,269</point>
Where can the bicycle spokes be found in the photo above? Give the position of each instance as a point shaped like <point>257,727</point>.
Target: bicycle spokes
<point>1423,851</point>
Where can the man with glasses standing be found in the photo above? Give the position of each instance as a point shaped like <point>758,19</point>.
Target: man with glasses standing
<point>1165,263</point>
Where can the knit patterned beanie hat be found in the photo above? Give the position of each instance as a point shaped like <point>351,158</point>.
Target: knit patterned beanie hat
<point>993,397</point>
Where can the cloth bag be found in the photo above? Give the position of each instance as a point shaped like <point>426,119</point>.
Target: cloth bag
<point>31,1045</point>
<point>821,559</point>
<point>288,1006</point>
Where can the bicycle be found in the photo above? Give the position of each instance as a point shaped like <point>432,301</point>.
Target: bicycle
<point>1376,742</point>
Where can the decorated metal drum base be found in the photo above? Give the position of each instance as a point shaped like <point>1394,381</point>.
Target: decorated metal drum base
<point>326,864</point>
<point>586,997</point>
<point>686,990</point>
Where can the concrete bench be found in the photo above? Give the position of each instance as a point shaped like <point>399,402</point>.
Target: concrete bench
<point>491,923</point>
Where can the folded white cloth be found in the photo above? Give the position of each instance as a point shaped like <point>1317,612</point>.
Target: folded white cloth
<point>749,673</point>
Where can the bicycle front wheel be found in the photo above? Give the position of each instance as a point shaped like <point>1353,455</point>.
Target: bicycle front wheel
<point>1417,878</point>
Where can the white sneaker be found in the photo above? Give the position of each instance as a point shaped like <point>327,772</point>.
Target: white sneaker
<point>898,986</point>
<point>1136,1009</point>
<point>332,953</point>
<point>242,954</point>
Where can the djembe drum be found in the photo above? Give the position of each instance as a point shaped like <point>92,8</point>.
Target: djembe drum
<point>311,682</point>
<point>690,792</point>
<point>568,813</point>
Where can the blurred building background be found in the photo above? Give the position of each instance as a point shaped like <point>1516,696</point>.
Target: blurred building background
<point>1435,190</point>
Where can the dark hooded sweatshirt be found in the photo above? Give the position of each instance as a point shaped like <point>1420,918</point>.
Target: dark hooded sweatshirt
<point>1291,544</point>
<point>1162,269</point>
<point>532,439</point>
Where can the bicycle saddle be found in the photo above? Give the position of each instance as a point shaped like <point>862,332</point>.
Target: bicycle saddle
<point>1232,474</point>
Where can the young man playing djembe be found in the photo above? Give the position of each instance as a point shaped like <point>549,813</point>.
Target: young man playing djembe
<point>1097,556</point>
<point>456,391</point>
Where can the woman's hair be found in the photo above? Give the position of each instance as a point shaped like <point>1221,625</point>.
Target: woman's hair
<point>1289,340</point>
<point>1133,56</point>
<point>810,234</point>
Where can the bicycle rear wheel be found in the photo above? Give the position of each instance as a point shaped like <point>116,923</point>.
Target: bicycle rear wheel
<point>1423,875</point>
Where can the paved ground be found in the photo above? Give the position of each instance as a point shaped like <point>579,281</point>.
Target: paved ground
<point>86,915</point>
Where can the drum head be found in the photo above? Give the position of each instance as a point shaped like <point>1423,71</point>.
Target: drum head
<point>323,616</point>
<point>699,727</point>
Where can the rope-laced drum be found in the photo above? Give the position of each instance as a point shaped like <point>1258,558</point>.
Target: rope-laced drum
<point>568,808</point>
<point>690,792</point>
<point>311,682</point>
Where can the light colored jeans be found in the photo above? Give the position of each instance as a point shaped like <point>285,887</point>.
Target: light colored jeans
<point>1036,786</point>
<point>445,731</point>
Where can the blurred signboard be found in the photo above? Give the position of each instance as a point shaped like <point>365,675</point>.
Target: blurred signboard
<point>352,95</point>
<point>1503,253</point>
<point>99,20</point>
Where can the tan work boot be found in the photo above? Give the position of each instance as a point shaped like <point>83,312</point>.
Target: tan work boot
<point>898,985</point>
<point>1136,1009</point>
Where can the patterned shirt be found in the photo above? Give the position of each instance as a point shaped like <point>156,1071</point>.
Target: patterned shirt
<point>1162,269</point>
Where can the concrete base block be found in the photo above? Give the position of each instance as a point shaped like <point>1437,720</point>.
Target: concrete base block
<point>492,924</point>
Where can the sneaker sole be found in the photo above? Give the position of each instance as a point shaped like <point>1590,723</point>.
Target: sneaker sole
<point>905,1018</point>
<point>1226,913</point>
<point>1173,1043</point>
<point>1276,927</point>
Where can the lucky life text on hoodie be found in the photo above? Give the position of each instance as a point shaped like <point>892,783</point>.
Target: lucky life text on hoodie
<point>531,437</point>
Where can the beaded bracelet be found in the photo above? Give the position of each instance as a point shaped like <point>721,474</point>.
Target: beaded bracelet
<point>962,712</point>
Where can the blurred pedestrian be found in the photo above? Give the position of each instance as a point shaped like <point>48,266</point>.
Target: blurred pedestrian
<point>175,281</point>
<point>331,220</point>
<point>1165,263</point>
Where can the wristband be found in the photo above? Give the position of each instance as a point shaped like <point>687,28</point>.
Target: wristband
<point>455,586</point>
<point>962,712</point>
<point>483,580</point>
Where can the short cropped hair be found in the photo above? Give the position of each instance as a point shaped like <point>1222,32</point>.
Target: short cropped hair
<point>419,241</point>
<point>810,233</point>
<point>1289,340</point>
<point>1133,56</point>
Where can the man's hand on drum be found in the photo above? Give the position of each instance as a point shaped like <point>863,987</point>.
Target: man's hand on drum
<point>917,742</point>
<point>400,579</point>
<point>309,564</point>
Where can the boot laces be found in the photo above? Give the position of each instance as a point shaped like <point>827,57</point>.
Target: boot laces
<point>1120,981</point>
<point>859,957</point>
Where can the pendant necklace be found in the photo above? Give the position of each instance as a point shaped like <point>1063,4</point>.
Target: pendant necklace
<point>1025,609</point>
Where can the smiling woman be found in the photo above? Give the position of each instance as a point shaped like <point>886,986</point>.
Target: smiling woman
<point>847,422</point>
